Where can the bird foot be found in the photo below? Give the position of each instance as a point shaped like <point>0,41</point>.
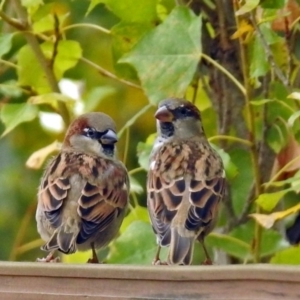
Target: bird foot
<point>93,261</point>
<point>158,262</point>
<point>207,262</point>
<point>49,259</point>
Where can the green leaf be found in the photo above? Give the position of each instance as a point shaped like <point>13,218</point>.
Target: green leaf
<point>96,95</point>
<point>69,52</point>
<point>125,35</point>
<point>135,246</point>
<point>5,43</point>
<point>259,65</point>
<point>247,7</point>
<point>261,102</point>
<point>289,256</point>
<point>271,242</point>
<point>144,150</point>
<point>138,213</point>
<point>164,65</point>
<point>142,11</point>
<point>272,4</point>
<point>230,168</point>
<point>293,118</point>
<point>31,3</point>
<point>268,201</point>
<point>30,72</point>
<point>92,5</point>
<point>135,186</point>
<point>14,114</point>
<point>10,88</point>
<point>230,245</point>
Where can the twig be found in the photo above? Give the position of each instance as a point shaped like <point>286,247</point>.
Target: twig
<point>56,41</point>
<point>93,26</point>
<point>34,44</point>
<point>226,72</point>
<point>252,139</point>
<point>109,74</point>
<point>268,52</point>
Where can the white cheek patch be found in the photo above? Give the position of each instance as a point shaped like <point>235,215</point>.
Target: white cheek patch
<point>224,174</point>
<point>152,165</point>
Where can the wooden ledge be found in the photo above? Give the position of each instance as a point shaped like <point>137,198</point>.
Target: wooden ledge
<point>66,281</point>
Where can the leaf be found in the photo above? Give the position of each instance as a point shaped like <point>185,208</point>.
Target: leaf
<point>135,186</point>
<point>272,4</point>
<point>14,114</point>
<point>230,245</point>
<point>5,43</point>
<point>69,52</point>
<point>244,27</point>
<point>142,11</point>
<point>144,150</point>
<point>36,159</point>
<point>294,95</point>
<point>92,5</point>
<point>268,221</point>
<point>259,65</point>
<point>138,213</point>
<point>96,95</point>
<point>135,246</point>
<point>124,36</point>
<point>268,201</point>
<point>261,102</point>
<point>30,72</point>
<point>10,88</point>
<point>247,7</point>
<point>31,3</point>
<point>51,99</point>
<point>293,118</point>
<point>230,168</point>
<point>165,66</point>
<point>289,256</point>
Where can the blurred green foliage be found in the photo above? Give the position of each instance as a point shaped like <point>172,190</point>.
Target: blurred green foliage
<point>122,57</point>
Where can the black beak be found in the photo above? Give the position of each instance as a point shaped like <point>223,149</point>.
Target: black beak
<point>109,137</point>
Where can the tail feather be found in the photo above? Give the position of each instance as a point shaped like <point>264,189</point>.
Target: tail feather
<point>62,240</point>
<point>181,249</point>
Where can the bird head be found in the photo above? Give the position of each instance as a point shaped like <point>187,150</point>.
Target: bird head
<point>92,133</point>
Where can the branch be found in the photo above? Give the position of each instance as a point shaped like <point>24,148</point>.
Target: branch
<point>35,46</point>
<point>269,53</point>
<point>109,74</point>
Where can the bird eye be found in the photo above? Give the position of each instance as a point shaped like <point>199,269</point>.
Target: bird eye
<point>183,110</point>
<point>89,132</point>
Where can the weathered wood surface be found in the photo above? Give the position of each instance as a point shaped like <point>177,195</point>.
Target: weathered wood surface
<point>35,281</point>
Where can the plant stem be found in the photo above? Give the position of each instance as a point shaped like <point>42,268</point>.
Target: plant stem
<point>227,73</point>
<point>109,74</point>
<point>35,46</point>
<point>86,25</point>
<point>230,138</point>
<point>252,138</point>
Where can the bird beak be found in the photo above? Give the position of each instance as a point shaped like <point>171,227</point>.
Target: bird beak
<point>109,137</point>
<point>164,115</point>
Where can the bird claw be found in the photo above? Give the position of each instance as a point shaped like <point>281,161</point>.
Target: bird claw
<point>93,261</point>
<point>158,262</point>
<point>207,262</point>
<point>49,259</point>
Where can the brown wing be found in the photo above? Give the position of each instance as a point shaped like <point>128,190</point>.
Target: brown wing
<point>100,204</point>
<point>177,165</point>
<point>53,191</point>
<point>104,194</point>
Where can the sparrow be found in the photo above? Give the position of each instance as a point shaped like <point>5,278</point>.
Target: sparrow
<point>186,182</point>
<point>83,194</point>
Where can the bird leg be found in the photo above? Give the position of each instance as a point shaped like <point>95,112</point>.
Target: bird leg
<point>49,258</point>
<point>207,260</point>
<point>94,259</point>
<point>156,261</point>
